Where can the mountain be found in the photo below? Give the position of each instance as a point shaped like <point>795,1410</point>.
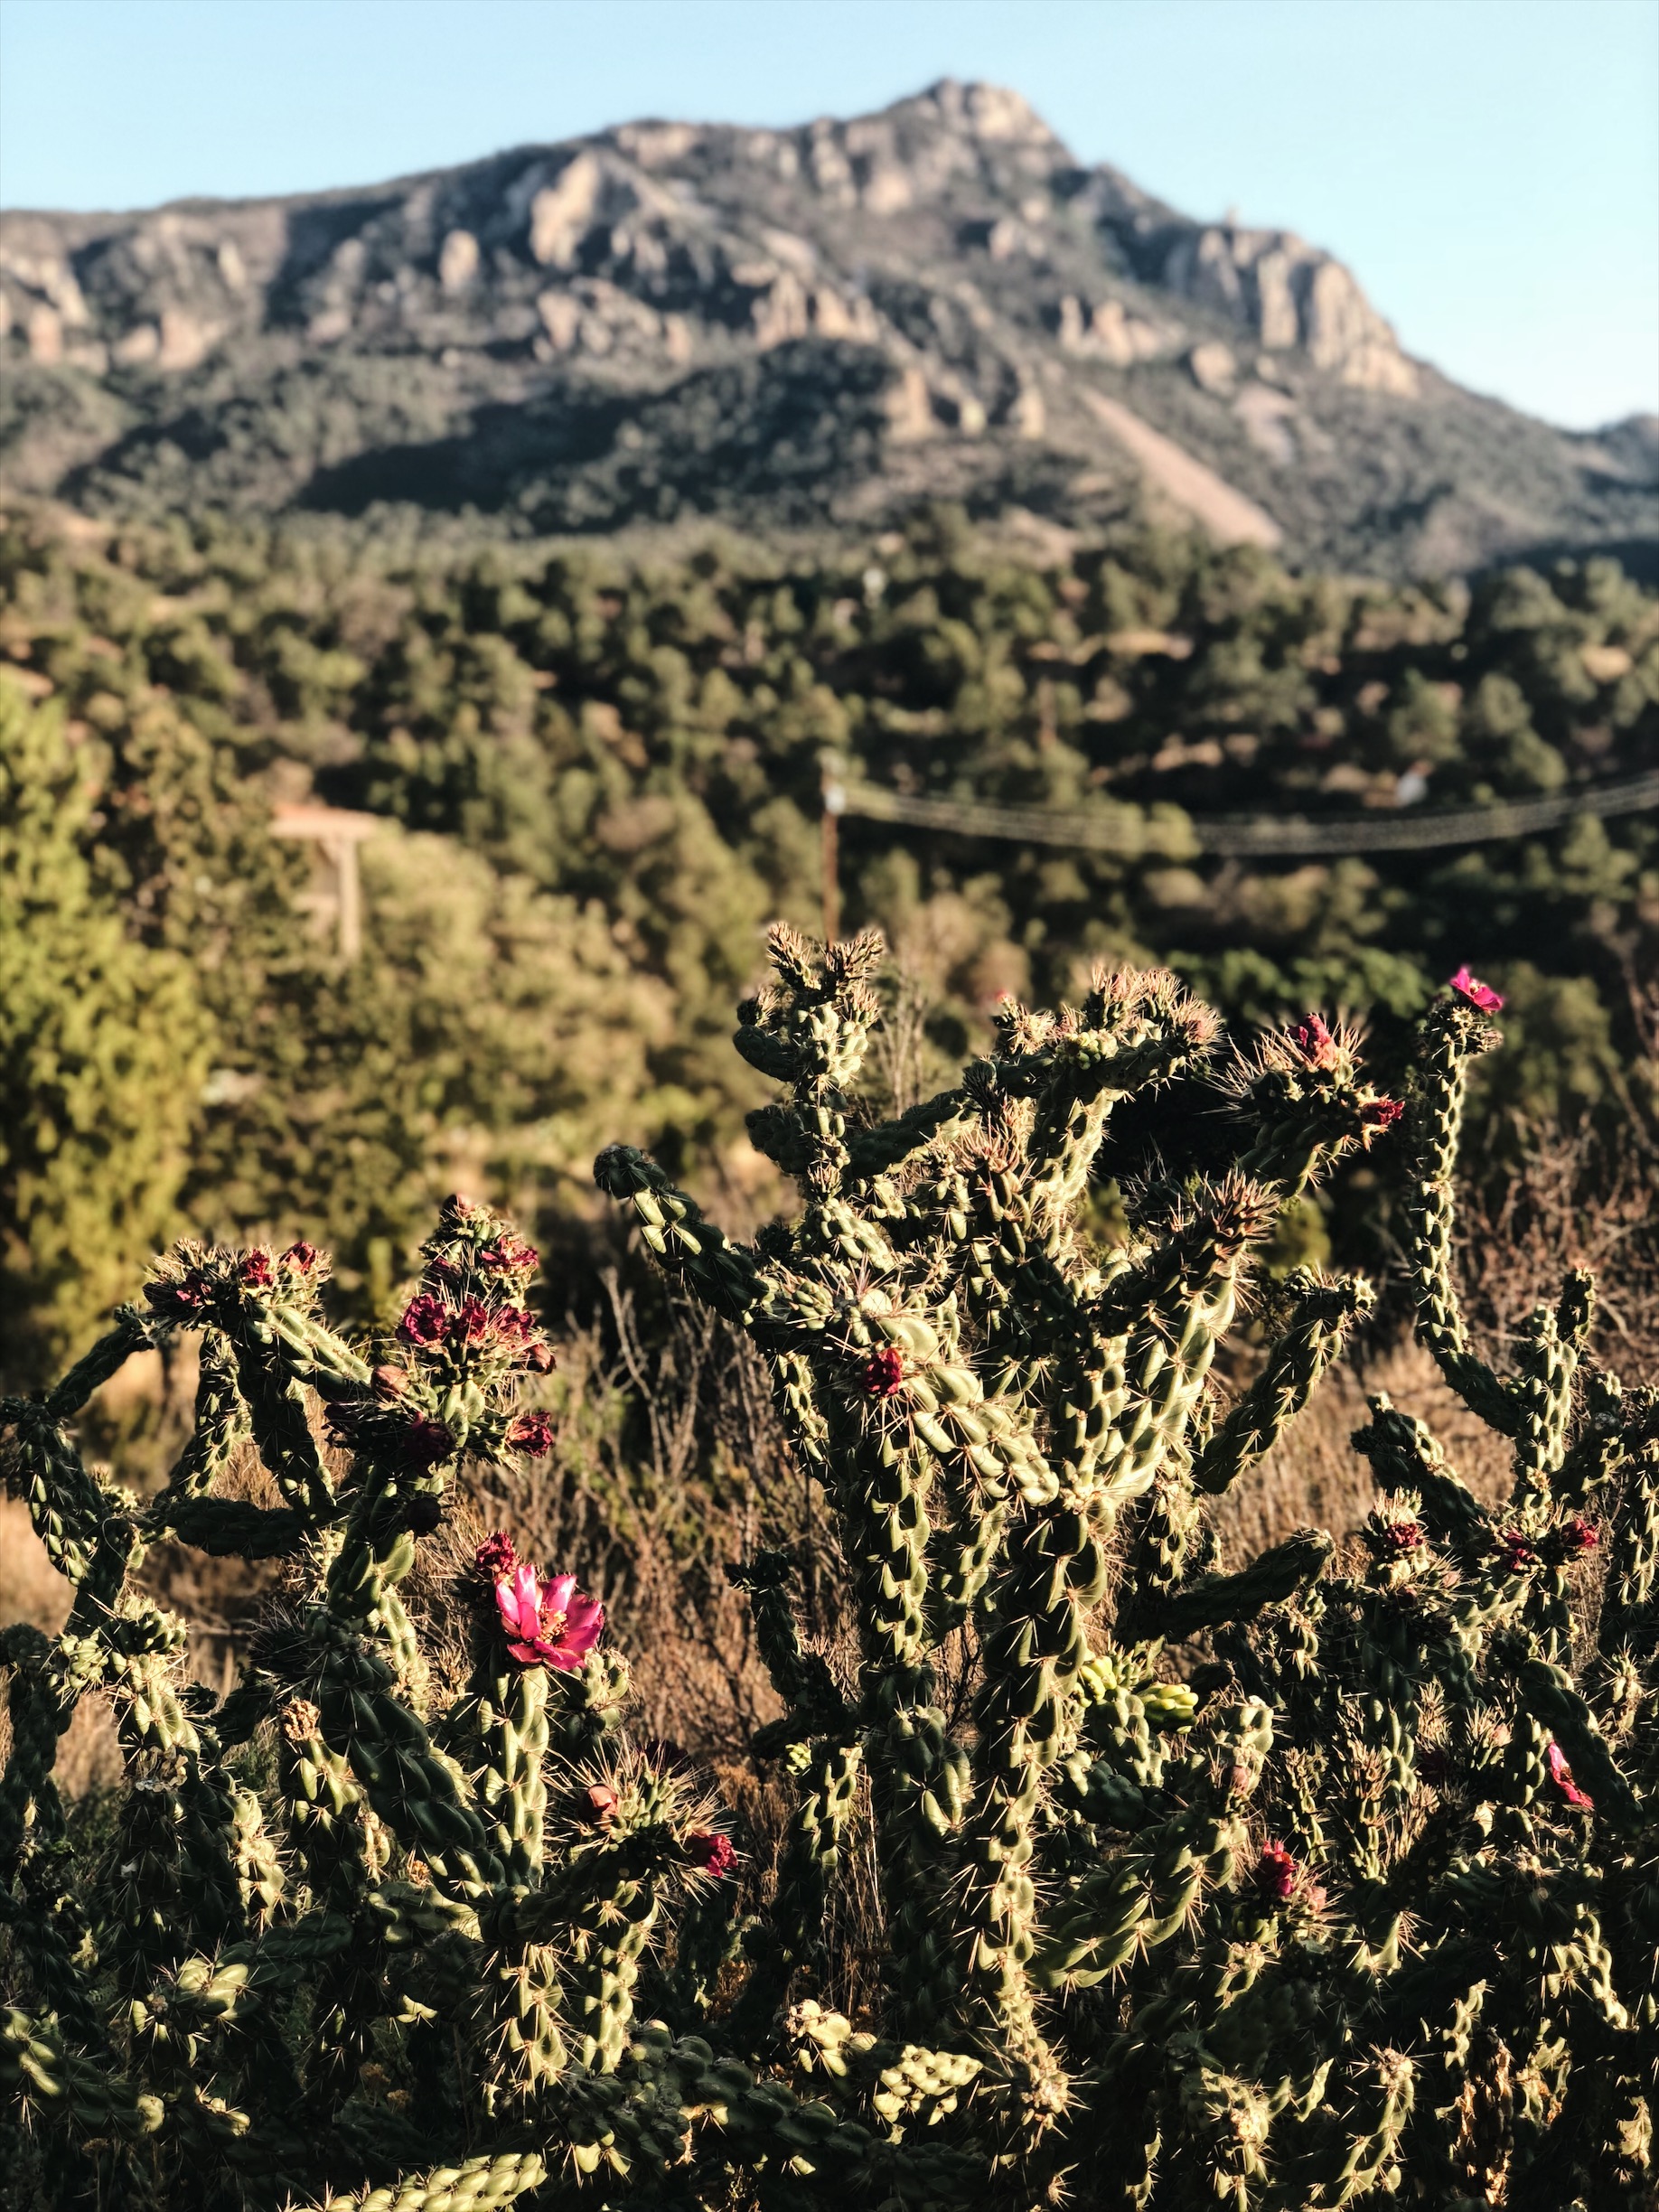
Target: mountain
<point>788,329</point>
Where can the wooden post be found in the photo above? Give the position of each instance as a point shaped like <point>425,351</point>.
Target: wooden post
<point>829,845</point>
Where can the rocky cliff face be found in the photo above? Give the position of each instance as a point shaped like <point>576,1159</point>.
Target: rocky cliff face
<point>789,328</point>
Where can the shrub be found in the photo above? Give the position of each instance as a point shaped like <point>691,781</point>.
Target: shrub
<point>1277,1887</point>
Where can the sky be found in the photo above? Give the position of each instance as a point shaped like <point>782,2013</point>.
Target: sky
<point>1489,169</point>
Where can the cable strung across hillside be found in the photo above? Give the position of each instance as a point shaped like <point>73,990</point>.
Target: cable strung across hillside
<point>1166,832</point>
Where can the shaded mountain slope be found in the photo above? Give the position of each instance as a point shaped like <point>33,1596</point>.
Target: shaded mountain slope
<point>796,328</point>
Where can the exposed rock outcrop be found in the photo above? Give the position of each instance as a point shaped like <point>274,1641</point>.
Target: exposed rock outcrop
<point>943,289</point>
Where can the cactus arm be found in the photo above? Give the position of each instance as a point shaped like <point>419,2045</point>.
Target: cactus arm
<point>722,1274</point>
<point>1451,1036</point>
<point>1322,1316</point>
<point>1278,1574</point>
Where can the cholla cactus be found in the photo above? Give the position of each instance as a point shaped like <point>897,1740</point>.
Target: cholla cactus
<point>1269,1886</point>
<point>1275,1886</point>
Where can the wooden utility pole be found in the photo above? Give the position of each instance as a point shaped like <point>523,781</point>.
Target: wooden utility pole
<point>338,832</point>
<point>829,843</point>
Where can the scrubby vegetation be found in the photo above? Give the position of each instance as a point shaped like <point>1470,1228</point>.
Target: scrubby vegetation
<point>599,777</point>
<point>1322,1878</point>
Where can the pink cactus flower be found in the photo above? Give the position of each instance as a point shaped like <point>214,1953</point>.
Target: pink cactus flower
<point>300,1256</point>
<point>424,1319</point>
<point>550,1624</point>
<point>496,1556</point>
<point>1380,1113</point>
<point>471,1321</point>
<point>255,1269</point>
<point>1317,1042</point>
<point>601,1800</point>
<point>512,1325</point>
<point>1477,993</point>
<point>1578,1536</point>
<point>508,1255</point>
<point>1560,1774</point>
<point>539,1357</point>
<point>884,1372</point>
<point>707,1848</point>
<point>1277,1873</point>
<point>531,1433</point>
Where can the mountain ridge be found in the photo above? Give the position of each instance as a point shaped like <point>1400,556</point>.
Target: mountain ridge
<point>805,327</point>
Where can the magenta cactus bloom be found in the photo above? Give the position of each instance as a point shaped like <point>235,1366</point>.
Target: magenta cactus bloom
<point>424,1320</point>
<point>1403,1535</point>
<point>175,1301</point>
<point>497,1555</point>
<point>509,1255</point>
<point>539,1357</point>
<point>1560,1774</point>
<point>512,1325</point>
<point>1276,1874</point>
<point>549,1624</point>
<point>1580,1535</point>
<point>711,1851</point>
<point>255,1269</point>
<point>1317,1042</point>
<point>1380,1113</point>
<point>884,1372</point>
<point>300,1256</point>
<point>1517,1551</point>
<point>1478,994</point>
<point>531,1433</point>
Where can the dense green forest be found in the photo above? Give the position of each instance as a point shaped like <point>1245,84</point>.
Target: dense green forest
<point>600,775</point>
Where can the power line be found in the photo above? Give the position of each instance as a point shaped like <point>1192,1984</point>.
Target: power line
<point>1166,832</point>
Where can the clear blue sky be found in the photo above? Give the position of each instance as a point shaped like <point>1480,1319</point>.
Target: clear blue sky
<point>1489,168</point>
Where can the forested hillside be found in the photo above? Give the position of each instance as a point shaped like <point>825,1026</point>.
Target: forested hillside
<point>599,780</point>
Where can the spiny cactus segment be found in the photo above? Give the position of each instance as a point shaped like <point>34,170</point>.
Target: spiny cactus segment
<point>1271,1884</point>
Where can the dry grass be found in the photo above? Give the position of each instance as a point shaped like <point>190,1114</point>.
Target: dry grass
<point>668,1463</point>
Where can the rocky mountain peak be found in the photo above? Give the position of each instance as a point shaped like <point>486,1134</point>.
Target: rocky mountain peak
<point>801,324</point>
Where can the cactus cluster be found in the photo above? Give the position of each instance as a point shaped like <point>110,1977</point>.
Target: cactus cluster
<point>1267,1887</point>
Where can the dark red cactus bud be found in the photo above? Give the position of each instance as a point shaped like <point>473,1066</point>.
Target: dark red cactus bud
<point>1578,1536</point>
<point>427,1443</point>
<point>1476,993</point>
<point>1317,1043</point>
<point>456,1212</point>
<point>884,1372</point>
<point>390,1383</point>
<point>300,1256</point>
<point>497,1555</point>
<point>508,1255</point>
<point>707,1848</point>
<point>254,1268</point>
<point>1276,1874</point>
<point>512,1325</point>
<point>1402,1536</point>
<point>602,1800</point>
<point>1380,1113</point>
<point>175,1300</point>
<point>1516,1550</point>
<point>539,1357</point>
<point>424,1319</point>
<point>422,1512</point>
<point>531,1433</point>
